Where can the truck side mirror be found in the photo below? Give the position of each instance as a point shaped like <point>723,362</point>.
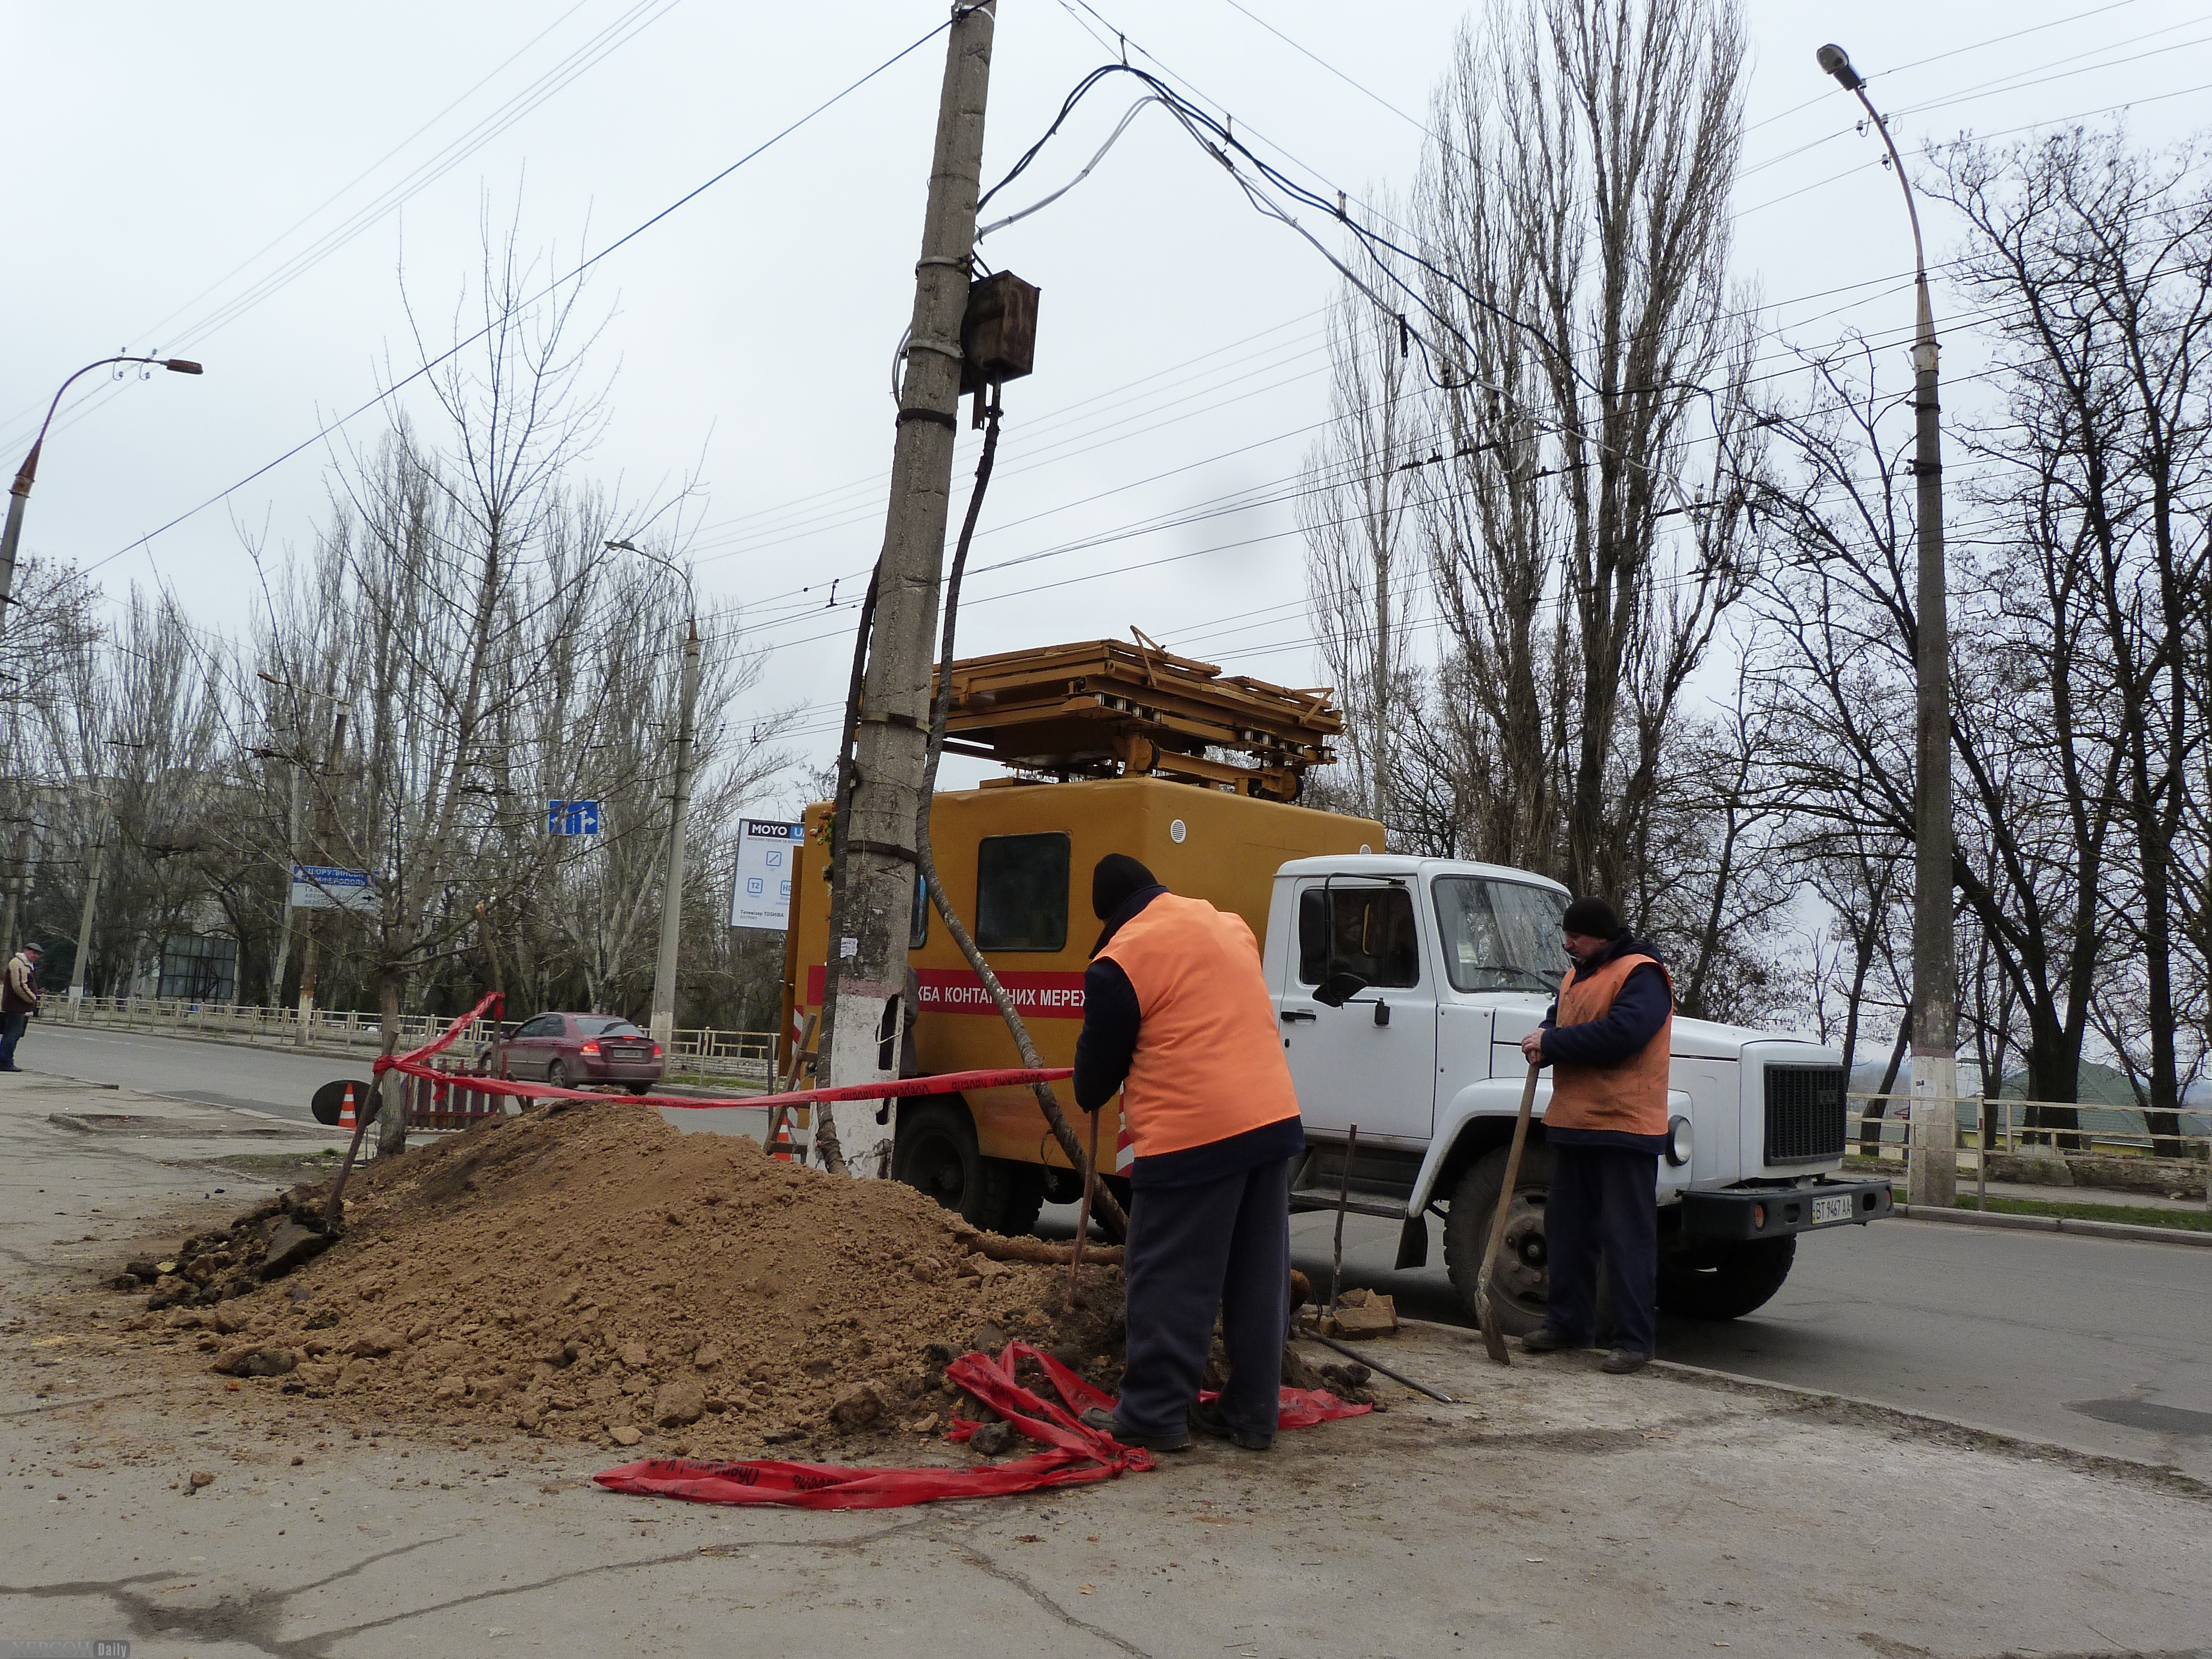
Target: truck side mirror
<point>1339,988</point>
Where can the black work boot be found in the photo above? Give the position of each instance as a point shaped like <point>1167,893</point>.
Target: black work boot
<point>1105,1422</point>
<point>1545,1339</point>
<point>1207,1415</point>
<point>1621,1361</point>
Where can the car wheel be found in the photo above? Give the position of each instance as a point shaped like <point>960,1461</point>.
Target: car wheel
<point>639,1088</point>
<point>1724,1281</point>
<point>557,1075</point>
<point>1522,1292</point>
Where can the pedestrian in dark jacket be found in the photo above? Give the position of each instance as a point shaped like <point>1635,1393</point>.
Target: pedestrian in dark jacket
<point>1608,1040</point>
<point>19,1000</point>
<point>1176,1017</point>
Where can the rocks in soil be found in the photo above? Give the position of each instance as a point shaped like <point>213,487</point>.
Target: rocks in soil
<point>859,1406</point>
<point>681,1403</point>
<point>289,1244</point>
<point>992,1439</point>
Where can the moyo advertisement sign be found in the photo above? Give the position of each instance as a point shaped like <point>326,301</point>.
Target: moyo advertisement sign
<point>768,858</point>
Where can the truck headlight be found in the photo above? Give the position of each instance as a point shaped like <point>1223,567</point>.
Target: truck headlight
<point>1678,1141</point>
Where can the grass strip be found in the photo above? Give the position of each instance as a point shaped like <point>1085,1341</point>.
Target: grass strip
<point>2187,1221</point>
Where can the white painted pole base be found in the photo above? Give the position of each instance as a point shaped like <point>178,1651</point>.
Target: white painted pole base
<point>859,1053</point>
<point>1934,1178</point>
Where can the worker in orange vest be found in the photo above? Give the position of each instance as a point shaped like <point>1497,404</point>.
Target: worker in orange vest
<point>1606,1039</point>
<point>1177,1019</point>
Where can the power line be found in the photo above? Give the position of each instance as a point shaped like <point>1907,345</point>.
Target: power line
<point>834,98</point>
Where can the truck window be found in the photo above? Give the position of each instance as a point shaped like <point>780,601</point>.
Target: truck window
<point>1500,935</point>
<point>1368,930</point>
<point>1021,892</point>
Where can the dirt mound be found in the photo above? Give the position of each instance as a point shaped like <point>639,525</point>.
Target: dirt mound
<point>588,1272</point>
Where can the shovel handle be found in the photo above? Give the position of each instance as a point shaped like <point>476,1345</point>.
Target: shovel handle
<point>1083,1218</point>
<point>1505,1191</point>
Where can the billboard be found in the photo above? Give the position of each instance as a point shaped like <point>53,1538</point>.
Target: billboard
<point>767,858</point>
<point>321,887</point>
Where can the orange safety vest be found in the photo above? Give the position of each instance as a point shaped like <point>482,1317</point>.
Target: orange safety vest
<point>1209,1063</point>
<point>1630,1097</point>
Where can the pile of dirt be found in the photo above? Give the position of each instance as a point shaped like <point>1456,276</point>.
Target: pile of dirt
<point>587,1272</point>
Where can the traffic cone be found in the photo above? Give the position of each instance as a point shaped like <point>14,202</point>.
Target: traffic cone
<point>784,1145</point>
<point>346,1119</point>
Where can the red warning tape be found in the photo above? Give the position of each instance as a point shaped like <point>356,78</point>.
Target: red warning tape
<point>1074,1455</point>
<point>411,1065</point>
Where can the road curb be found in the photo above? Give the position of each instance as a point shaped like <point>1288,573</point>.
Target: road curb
<point>2058,1223</point>
<point>2164,1473</point>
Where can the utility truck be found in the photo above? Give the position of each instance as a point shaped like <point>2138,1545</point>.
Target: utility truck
<point>1402,986</point>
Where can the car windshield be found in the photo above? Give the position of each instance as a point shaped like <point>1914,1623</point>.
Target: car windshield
<point>1500,935</point>
<point>599,1026</point>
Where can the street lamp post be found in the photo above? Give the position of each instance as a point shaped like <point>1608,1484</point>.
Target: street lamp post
<point>1934,1168</point>
<point>28,472</point>
<point>671,899</point>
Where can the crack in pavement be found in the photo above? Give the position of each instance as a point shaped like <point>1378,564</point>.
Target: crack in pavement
<point>976,1558</point>
<point>252,1619</point>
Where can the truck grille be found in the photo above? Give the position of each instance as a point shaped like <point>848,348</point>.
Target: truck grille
<point>1804,1114</point>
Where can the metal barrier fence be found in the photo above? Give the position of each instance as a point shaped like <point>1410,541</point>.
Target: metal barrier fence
<point>706,1054</point>
<point>1987,1129</point>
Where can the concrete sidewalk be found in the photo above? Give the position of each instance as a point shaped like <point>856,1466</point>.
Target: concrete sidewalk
<point>1556,1511</point>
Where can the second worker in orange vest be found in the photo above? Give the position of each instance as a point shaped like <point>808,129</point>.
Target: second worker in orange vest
<point>1176,1017</point>
<point>1608,1041</point>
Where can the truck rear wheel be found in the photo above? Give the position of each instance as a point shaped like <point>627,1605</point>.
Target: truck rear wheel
<point>1523,1282</point>
<point>1724,1281</point>
<point>935,1152</point>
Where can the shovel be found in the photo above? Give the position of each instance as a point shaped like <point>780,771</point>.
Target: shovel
<point>1493,1339</point>
<point>1082,1219</point>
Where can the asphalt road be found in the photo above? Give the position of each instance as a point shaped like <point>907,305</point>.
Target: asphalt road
<point>2101,1345</point>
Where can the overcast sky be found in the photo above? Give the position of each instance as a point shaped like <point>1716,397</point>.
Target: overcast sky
<point>237,184</point>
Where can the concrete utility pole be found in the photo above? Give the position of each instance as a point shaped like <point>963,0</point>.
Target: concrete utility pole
<point>292,845</point>
<point>863,1017</point>
<point>26,475</point>
<point>671,899</point>
<point>1934,1172</point>
<point>84,919</point>
<point>18,863</point>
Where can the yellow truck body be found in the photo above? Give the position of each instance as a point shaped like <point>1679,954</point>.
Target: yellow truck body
<point>1042,841</point>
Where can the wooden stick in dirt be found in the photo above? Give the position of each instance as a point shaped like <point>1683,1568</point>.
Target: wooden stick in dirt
<point>1493,1339</point>
<point>1375,1365</point>
<point>334,1211</point>
<point>1343,1198</point>
<point>1083,1217</point>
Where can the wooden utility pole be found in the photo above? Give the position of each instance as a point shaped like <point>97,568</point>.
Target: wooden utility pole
<point>863,1017</point>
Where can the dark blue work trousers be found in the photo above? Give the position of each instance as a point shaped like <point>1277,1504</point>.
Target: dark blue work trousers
<point>1604,1202</point>
<point>1221,1244</point>
<point>12,1027</point>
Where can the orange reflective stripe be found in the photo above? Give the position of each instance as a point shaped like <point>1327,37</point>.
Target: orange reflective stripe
<point>1209,1063</point>
<point>1630,1097</point>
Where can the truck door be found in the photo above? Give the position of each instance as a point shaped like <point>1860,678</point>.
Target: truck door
<point>1348,1069</point>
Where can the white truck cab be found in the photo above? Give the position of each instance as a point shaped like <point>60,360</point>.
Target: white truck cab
<point>1456,962</point>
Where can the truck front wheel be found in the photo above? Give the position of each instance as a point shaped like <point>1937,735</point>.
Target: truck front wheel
<point>935,1151</point>
<point>1523,1278</point>
<point>1708,1281</point>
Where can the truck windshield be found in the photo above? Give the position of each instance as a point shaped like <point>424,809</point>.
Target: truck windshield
<point>1500,935</point>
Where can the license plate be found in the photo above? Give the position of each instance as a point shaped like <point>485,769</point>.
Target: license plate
<point>1837,1208</point>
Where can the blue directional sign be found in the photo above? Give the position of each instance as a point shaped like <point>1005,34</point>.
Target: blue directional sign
<point>572,817</point>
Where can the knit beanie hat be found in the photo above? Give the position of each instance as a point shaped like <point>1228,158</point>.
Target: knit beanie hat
<point>1593,918</point>
<point>1117,876</point>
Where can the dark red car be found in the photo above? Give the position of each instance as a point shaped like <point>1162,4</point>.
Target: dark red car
<point>574,1051</point>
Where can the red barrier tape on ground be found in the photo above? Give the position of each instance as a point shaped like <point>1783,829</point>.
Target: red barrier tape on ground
<point>1074,1456</point>
<point>411,1065</point>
